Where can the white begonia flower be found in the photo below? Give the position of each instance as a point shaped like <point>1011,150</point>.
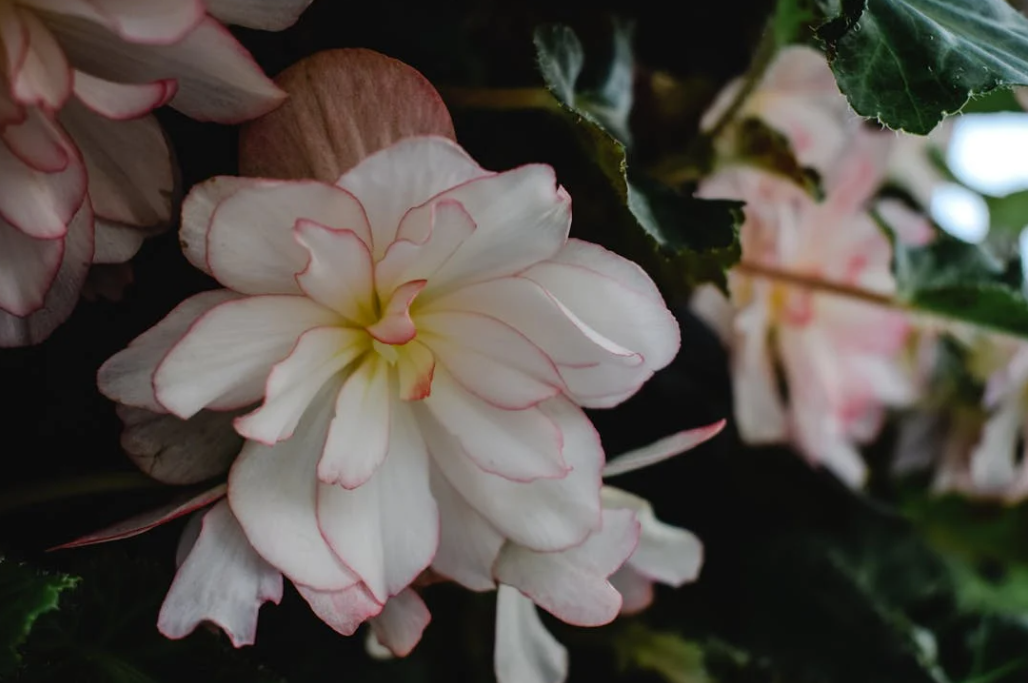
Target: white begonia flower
<point>404,352</point>
<point>86,170</point>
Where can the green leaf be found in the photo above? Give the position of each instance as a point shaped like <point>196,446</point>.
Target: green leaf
<point>25,595</point>
<point>790,19</point>
<point>961,281</point>
<point>909,63</point>
<point>681,240</point>
<point>1008,215</point>
<point>754,143</point>
<point>676,659</point>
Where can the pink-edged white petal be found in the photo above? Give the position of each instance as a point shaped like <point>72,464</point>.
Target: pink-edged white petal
<point>343,106</point>
<point>387,530</point>
<point>266,15</point>
<point>131,174</point>
<point>490,359</point>
<point>409,173</point>
<point>179,452</point>
<point>525,652</point>
<point>572,584</point>
<point>63,294</point>
<point>223,581</point>
<point>197,211</point>
<point>592,367</point>
<point>28,266</point>
<point>427,237</point>
<point>41,75</point>
<point>636,590</point>
<point>38,142</point>
<point>152,22</point>
<point>217,78</point>
<point>339,272</point>
<point>614,297</point>
<point>665,553</point>
<point>40,203</point>
<point>122,101</point>
<point>402,621</point>
<point>546,514</point>
<point>224,360</point>
<point>272,491</point>
<point>415,368</point>
<point>251,246</point>
<point>520,445</point>
<point>396,326</point>
<point>522,218</point>
<point>293,383</point>
<point>127,377</point>
<point>468,543</point>
<point>343,610</point>
<point>359,436</point>
<point>148,520</point>
<point>660,450</point>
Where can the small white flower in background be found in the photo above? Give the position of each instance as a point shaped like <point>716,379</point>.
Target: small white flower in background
<point>977,451</point>
<point>403,354</point>
<point>86,171</point>
<point>841,359</point>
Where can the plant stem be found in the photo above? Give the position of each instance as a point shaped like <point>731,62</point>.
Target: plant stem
<point>817,284</point>
<point>46,491</point>
<point>765,53</point>
<point>499,98</point>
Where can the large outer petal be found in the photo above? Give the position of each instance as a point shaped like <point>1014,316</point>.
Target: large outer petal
<point>273,490</point>
<point>525,652</point>
<point>251,246</point>
<point>386,530</point>
<point>197,211</point>
<point>218,79</point>
<point>665,553</point>
<point>407,174</point>
<point>179,452</point>
<point>343,610</point>
<point>266,15</point>
<point>28,267</point>
<point>223,580</point>
<point>613,296</point>
<point>572,584</point>
<point>131,176</point>
<point>224,360</point>
<point>127,376</point>
<point>64,291</point>
<point>40,203</point>
<point>152,22</point>
<point>546,514</point>
<point>468,543</point>
<point>344,105</point>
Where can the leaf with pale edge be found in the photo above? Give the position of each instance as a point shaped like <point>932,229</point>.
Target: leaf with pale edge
<point>909,63</point>
<point>25,595</point>
<point>690,240</point>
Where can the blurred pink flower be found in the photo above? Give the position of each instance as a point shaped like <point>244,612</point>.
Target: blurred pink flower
<point>86,171</point>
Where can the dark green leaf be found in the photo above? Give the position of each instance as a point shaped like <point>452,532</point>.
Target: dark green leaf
<point>909,63</point>
<point>961,281</point>
<point>754,143</point>
<point>680,239</point>
<point>25,595</point>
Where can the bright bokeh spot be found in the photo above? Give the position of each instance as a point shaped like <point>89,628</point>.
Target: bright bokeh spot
<point>989,152</point>
<point>960,212</point>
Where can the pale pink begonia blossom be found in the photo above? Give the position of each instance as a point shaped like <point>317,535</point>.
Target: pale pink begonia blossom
<point>86,170</point>
<point>394,375</point>
<point>840,357</point>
